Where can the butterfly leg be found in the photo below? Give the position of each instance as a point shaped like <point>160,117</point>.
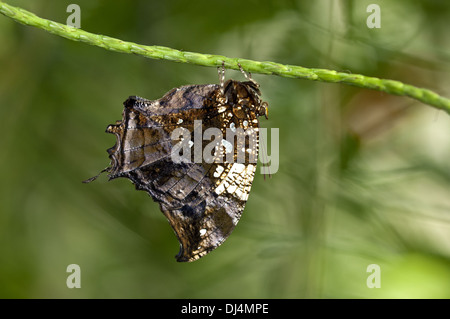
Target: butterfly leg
<point>247,75</point>
<point>221,71</point>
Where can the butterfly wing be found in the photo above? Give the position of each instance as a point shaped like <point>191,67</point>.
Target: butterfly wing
<point>202,201</point>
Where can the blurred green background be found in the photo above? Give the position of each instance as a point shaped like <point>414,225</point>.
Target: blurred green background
<point>364,177</point>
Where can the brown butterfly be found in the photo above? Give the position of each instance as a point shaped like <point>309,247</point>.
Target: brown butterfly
<point>202,198</point>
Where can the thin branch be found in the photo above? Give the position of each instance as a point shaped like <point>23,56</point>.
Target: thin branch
<point>164,53</point>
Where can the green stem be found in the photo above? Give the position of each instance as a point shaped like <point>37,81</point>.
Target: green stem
<point>164,53</point>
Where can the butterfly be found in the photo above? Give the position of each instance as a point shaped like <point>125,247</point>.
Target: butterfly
<point>202,197</point>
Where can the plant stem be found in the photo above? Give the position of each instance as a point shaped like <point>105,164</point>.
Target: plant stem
<point>169,54</point>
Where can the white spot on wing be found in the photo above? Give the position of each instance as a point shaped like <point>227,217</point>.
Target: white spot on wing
<point>238,168</point>
<point>232,188</point>
<point>220,189</point>
<point>218,171</point>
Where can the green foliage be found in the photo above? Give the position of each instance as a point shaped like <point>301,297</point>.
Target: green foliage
<point>363,177</point>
